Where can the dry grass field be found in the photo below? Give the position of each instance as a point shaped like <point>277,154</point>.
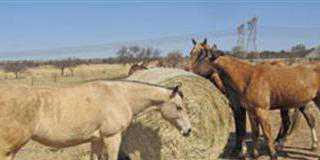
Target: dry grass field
<point>50,76</point>
<point>297,146</point>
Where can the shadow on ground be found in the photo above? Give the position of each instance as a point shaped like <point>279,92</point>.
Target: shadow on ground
<point>288,152</point>
<point>146,146</point>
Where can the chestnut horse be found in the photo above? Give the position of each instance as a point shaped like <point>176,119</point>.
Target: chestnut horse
<point>199,53</point>
<point>136,67</point>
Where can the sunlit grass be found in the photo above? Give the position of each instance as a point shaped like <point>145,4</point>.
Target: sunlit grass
<point>51,76</point>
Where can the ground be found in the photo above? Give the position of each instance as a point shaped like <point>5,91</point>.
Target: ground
<point>299,143</point>
<point>296,148</point>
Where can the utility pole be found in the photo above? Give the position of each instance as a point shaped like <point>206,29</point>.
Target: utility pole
<point>252,33</point>
<point>241,36</point>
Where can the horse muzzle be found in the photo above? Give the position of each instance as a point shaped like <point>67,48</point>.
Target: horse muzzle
<point>187,133</point>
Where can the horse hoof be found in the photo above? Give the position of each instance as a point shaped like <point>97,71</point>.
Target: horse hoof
<point>255,155</point>
<point>314,147</point>
<point>279,146</point>
<point>274,157</point>
<point>235,151</point>
<point>242,156</point>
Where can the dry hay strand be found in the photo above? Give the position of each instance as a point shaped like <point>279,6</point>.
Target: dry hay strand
<point>152,138</point>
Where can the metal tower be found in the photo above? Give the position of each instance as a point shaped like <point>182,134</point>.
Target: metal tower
<point>241,36</point>
<point>252,33</point>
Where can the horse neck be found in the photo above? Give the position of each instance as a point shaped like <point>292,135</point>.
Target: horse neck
<point>144,96</point>
<point>235,72</point>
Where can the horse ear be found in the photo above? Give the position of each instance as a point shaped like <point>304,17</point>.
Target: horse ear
<point>175,90</point>
<point>204,41</point>
<point>194,41</point>
<point>216,54</point>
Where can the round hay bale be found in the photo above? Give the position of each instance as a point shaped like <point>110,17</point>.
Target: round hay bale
<point>150,137</point>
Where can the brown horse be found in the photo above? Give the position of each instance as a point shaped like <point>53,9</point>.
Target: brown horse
<point>136,67</point>
<point>209,72</point>
<point>266,87</point>
<point>198,53</point>
<point>144,66</point>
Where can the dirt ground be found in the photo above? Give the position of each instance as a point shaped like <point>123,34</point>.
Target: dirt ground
<point>297,146</point>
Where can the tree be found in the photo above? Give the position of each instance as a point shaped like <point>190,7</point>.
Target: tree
<point>174,59</point>
<point>135,54</point>
<point>299,50</point>
<point>72,64</point>
<point>239,52</point>
<point>15,67</point>
<point>61,64</point>
<point>66,63</point>
<point>123,54</point>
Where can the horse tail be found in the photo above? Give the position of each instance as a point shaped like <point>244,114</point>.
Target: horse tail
<point>295,120</point>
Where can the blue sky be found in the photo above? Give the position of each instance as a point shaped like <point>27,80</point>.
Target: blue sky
<point>33,25</point>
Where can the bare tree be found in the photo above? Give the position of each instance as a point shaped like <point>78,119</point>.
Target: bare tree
<point>69,63</point>
<point>61,64</point>
<point>72,64</point>
<point>239,52</point>
<point>135,54</point>
<point>174,59</point>
<point>299,50</point>
<point>15,67</point>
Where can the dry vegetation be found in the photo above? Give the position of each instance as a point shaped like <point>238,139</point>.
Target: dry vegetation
<point>48,75</point>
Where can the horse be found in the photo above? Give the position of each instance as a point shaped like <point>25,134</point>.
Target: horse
<point>136,67</point>
<point>265,87</point>
<point>144,66</point>
<point>199,53</point>
<point>95,112</point>
<point>205,70</point>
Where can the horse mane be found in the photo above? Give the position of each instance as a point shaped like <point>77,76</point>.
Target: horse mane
<point>149,84</point>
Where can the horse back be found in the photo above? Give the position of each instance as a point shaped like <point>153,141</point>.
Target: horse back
<point>279,86</point>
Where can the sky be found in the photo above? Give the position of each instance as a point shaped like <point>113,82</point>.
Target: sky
<point>48,24</point>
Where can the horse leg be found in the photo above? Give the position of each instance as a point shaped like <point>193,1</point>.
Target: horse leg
<point>285,125</point>
<point>97,147</point>
<point>317,101</point>
<point>239,115</point>
<point>280,133</point>
<point>112,144</point>
<point>311,123</point>
<point>240,122</point>
<point>263,117</point>
<point>255,134</point>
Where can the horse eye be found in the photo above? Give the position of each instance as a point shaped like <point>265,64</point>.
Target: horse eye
<point>179,108</point>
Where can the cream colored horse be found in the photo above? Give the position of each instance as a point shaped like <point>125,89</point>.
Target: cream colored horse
<point>96,112</point>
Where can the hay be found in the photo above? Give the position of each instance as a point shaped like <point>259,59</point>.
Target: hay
<point>152,138</point>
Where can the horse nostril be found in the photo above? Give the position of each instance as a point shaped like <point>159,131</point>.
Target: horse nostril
<point>187,134</point>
